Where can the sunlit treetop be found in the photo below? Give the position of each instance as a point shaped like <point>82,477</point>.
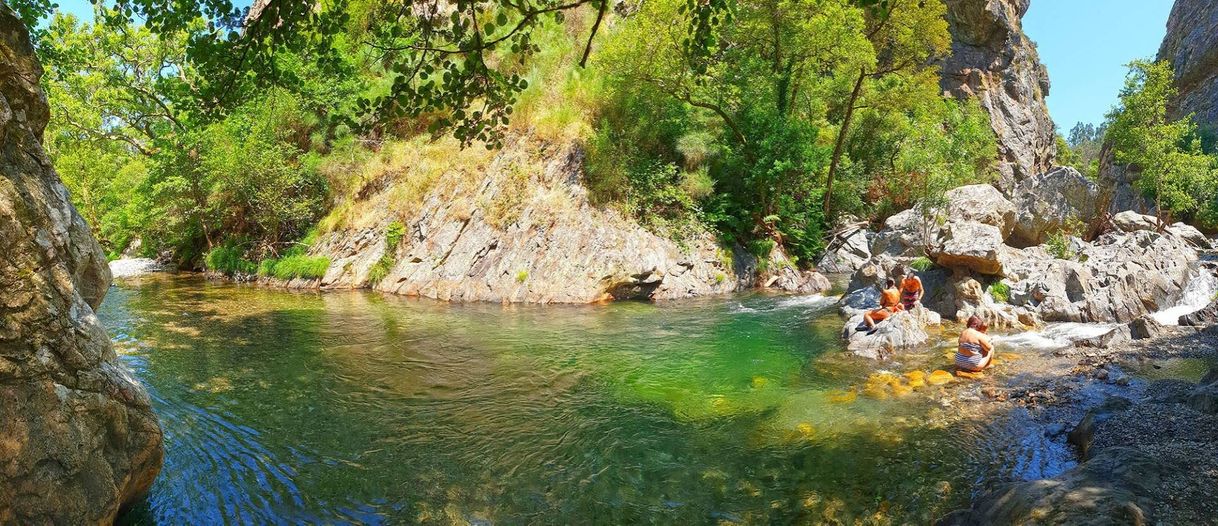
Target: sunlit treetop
<point>458,60</point>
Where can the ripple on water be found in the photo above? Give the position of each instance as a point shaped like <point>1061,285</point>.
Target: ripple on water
<point>359,408</point>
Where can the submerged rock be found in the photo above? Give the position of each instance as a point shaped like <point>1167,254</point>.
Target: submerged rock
<point>1111,488</point>
<point>78,439</point>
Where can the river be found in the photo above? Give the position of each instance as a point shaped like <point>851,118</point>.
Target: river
<point>356,407</point>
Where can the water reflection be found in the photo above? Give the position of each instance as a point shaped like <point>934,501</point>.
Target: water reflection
<point>351,407</point>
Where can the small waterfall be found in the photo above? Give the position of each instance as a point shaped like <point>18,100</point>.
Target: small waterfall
<point>1198,293</point>
<point>1055,335</point>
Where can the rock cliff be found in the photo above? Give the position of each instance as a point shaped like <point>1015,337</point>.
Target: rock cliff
<point>995,62</point>
<point>1191,46</point>
<point>522,229</point>
<point>78,439</point>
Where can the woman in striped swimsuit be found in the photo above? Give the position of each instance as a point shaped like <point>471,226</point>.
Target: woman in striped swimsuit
<point>975,351</point>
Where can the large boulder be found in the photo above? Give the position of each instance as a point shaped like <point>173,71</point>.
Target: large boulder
<point>1046,202</point>
<point>1130,221</point>
<point>1191,235</point>
<point>78,439</point>
<point>974,246</point>
<point>905,234</point>
<point>993,61</point>
<point>847,252</point>
<point>901,331</point>
<point>981,203</point>
<point>1118,278</point>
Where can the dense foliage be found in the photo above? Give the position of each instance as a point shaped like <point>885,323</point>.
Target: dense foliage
<point>1176,174</point>
<point>223,138</point>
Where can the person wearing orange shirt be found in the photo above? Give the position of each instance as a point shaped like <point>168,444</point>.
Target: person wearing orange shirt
<point>890,303</point>
<point>911,290</point>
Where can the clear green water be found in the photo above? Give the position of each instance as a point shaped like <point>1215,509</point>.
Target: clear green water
<point>289,407</point>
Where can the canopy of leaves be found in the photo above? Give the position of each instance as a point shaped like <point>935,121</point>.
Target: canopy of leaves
<point>1175,173</point>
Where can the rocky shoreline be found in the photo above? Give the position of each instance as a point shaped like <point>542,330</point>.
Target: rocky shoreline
<point>1144,445</point>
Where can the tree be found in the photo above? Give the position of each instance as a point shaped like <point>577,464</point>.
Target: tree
<point>1176,174</point>
<point>907,36</point>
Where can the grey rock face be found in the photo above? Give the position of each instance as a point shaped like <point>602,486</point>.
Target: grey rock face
<point>77,435</point>
<point>982,203</point>
<point>1191,46</point>
<point>995,62</point>
<point>1047,201</point>
<point>1123,275</point>
<point>553,246</point>
<point>847,252</point>
<point>975,246</point>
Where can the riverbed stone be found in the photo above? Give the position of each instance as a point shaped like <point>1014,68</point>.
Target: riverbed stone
<point>78,439</point>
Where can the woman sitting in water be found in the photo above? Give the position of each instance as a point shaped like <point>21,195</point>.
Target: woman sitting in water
<point>911,289</point>
<point>975,352</point>
<point>890,303</point>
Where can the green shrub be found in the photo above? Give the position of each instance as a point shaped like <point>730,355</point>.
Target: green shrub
<point>522,276</point>
<point>922,264</point>
<point>266,267</point>
<point>228,259</point>
<point>295,266</point>
<point>377,273</point>
<point>393,237</point>
<point>1001,292</point>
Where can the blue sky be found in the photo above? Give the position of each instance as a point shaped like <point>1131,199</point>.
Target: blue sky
<point>1085,44</point>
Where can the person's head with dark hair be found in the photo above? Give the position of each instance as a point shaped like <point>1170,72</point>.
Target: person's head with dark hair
<point>975,323</point>
<point>890,283</point>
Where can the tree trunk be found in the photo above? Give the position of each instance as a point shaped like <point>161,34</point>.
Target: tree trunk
<point>841,141</point>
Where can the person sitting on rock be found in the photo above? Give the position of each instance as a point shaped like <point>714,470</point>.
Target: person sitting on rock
<point>975,352</point>
<point>890,303</point>
<point>911,290</point>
